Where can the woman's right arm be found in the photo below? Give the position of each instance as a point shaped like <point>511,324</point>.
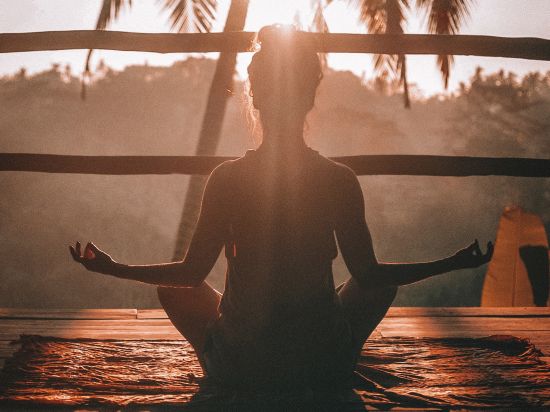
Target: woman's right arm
<point>173,274</point>
<point>355,243</point>
<point>204,249</point>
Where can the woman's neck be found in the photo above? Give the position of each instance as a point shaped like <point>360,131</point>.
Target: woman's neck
<point>283,144</point>
<point>284,135</point>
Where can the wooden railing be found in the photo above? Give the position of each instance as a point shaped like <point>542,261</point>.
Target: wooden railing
<point>418,165</point>
<point>524,48</point>
<point>423,165</point>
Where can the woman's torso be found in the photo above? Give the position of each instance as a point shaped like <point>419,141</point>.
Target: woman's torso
<point>279,301</point>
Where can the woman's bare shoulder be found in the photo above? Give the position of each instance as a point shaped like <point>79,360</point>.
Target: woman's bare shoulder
<point>339,172</point>
<point>225,168</point>
<point>227,171</point>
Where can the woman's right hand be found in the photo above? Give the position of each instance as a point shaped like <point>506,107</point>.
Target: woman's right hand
<point>93,258</point>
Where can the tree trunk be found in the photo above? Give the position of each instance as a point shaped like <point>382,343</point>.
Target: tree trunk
<point>220,91</point>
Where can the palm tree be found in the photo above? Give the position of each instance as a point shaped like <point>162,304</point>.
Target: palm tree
<point>445,17</point>
<point>389,17</point>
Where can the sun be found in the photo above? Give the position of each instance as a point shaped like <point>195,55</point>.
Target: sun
<point>266,12</point>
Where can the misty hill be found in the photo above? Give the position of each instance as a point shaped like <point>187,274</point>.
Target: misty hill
<point>157,111</point>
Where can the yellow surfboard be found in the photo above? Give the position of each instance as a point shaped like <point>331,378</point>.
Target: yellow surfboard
<point>521,238</point>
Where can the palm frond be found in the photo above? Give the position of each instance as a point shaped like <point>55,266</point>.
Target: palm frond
<point>319,24</point>
<point>445,62</point>
<point>191,15</point>
<point>386,17</point>
<point>402,71</point>
<point>382,16</point>
<point>445,17</point>
<point>110,10</point>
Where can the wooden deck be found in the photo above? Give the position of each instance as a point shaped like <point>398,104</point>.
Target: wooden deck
<point>531,323</point>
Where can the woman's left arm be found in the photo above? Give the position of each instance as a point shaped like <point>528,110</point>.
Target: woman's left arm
<point>407,273</point>
<point>201,255</point>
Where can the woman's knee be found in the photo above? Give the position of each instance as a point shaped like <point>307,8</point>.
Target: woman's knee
<point>383,296</point>
<point>167,295</point>
<point>162,292</point>
<point>355,287</point>
<point>388,293</point>
<point>198,299</point>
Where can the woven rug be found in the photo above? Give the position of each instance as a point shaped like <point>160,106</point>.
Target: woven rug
<point>494,372</point>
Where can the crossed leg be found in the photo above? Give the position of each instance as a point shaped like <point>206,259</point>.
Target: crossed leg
<point>364,309</point>
<point>191,310</point>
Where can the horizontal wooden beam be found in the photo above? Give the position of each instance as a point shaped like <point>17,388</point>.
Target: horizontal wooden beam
<point>524,48</point>
<point>414,165</point>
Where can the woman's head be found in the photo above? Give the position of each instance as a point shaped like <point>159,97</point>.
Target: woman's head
<point>284,74</point>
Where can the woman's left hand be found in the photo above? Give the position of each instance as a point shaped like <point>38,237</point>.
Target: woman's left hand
<point>93,258</point>
<point>472,256</point>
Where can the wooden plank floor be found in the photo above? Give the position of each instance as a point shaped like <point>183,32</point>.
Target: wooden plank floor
<point>531,323</point>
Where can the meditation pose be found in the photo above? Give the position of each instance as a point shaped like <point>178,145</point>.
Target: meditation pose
<point>278,212</point>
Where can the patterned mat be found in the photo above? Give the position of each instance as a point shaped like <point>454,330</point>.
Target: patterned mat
<point>494,372</point>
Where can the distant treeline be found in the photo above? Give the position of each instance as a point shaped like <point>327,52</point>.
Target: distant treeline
<point>145,110</point>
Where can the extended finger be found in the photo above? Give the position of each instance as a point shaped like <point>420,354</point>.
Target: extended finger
<point>470,247</point>
<point>89,252</point>
<point>93,247</point>
<point>477,250</point>
<point>74,254</point>
<point>78,249</point>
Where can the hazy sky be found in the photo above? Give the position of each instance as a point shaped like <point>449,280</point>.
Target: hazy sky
<point>514,18</point>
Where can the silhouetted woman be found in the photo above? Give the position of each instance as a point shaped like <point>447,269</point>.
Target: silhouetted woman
<point>278,212</point>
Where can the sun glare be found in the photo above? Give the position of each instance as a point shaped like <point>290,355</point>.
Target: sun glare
<point>263,13</point>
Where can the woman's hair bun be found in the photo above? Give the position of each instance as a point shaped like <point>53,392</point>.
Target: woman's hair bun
<point>277,35</point>
<point>286,37</point>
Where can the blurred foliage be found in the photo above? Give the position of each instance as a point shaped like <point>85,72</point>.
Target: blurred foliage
<point>146,110</point>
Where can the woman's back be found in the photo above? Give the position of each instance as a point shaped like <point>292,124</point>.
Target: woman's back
<point>280,244</point>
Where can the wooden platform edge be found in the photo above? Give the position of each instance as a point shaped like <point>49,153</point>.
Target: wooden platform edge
<point>104,314</point>
<point>470,311</point>
<point>132,313</point>
<point>413,312</point>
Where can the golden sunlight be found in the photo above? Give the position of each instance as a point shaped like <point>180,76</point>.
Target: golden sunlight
<point>281,11</point>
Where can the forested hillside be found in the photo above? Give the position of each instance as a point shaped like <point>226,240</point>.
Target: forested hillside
<point>147,110</point>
